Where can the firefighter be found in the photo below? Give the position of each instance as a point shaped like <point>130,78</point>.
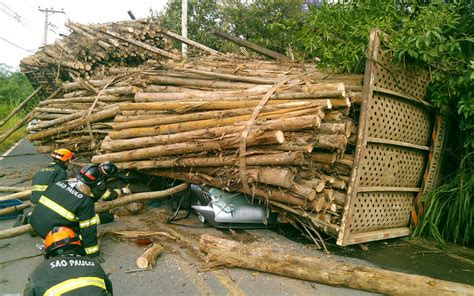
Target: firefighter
<point>105,191</point>
<point>65,271</point>
<point>104,188</point>
<point>55,171</point>
<point>70,203</point>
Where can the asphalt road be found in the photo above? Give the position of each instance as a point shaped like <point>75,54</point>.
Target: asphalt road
<point>177,271</point>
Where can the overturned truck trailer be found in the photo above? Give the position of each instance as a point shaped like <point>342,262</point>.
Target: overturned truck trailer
<point>348,155</point>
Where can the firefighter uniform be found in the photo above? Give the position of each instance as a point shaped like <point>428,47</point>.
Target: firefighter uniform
<point>69,275</point>
<point>54,172</point>
<point>62,205</point>
<point>105,191</point>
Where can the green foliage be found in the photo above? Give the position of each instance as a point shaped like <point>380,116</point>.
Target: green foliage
<point>14,87</point>
<point>203,16</point>
<point>268,23</point>
<point>271,24</point>
<point>449,211</point>
<point>337,34</point>
<point>16,136</point>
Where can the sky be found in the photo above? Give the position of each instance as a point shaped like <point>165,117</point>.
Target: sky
<point>22,24</point>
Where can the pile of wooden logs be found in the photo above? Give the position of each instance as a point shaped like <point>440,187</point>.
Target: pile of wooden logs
<point>188,119</point>
<point>278,131</point>
<point>92,50</point>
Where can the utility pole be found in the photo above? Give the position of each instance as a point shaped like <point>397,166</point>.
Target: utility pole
<point>184,26</point>
<point>47,12</point>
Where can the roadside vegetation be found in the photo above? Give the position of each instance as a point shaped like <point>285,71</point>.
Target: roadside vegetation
<point>437,35</point>
<point>14,87</point>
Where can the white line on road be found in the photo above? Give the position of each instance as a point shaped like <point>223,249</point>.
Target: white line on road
<point>11,149</point>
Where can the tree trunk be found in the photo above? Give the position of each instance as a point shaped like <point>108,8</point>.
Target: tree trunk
<point>284,124</point>
<point>103,207</point>
<point>12,189</point>
<point>325,270</point>
<point>9,210</point>
<point>19,195</point>
<point>15,231</point>
<point>230,141</point>
<point>108,113</point>
<point>276,158</point>
<point>148,259</point>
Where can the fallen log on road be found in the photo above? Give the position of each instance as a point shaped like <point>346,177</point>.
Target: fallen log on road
<point>22,195</point>
<point>12,189</point>
<point>15,231</point>
<point>148,259</point>
<point>13,209</point>
<point>325,270</point>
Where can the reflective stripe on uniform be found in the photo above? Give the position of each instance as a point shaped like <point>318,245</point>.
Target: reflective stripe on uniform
<point>87,223</point>
<point>97,218</point>
<point>92,249</point>
<point>76,283</point>
<point>39,187</point>
<point>119,191</point>
<point>106,194</point>
<point>58,209</point>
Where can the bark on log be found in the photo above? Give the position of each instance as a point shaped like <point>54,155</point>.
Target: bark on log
<point>15,231</point>
<point>143,45</point>
<point>57,121</point>
<point>222,105</point>
<point>227,142</point>
<point>284,124</point>
<point>190,42</point>
<point>272,176</point>
<point>199,82</point>
<point>330,271</point>
<point>13,209</point>
<point>139,197</point>
<point>254,47</point>
<point>277,159</point>
<point>19,195</point>
<point>12,189</point>
<point>186,126</point>
<point>148,259</point>
<point>108,113</point>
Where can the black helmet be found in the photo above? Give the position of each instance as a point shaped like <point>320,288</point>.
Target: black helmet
<point>108,169</point>
<point>90,175</point>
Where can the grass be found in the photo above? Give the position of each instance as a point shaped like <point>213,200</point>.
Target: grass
<point>449,209</point>
<point>16,136</point>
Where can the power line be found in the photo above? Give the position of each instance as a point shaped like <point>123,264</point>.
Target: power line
<point>11,43</point>
<point>47,12</point>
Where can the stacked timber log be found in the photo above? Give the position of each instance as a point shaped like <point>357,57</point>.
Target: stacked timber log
<point>188,122</point>
<point>281,132</point>
<point>91,50</point>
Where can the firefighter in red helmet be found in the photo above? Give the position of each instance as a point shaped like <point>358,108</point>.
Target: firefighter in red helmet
<point>65,271</point>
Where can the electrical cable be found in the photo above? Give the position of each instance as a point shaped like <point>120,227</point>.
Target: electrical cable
<point>11,43</point>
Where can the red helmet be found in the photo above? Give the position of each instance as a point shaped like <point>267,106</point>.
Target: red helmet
<point>62,154</point>
<point>90,175</point>
<point>60,239</point>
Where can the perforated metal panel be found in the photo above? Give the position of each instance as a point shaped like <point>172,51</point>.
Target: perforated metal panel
<point>401,78</point>
<point>393,119</point>
<point>392,149</point>
<point>377,211</point>
<point>391,166</point>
